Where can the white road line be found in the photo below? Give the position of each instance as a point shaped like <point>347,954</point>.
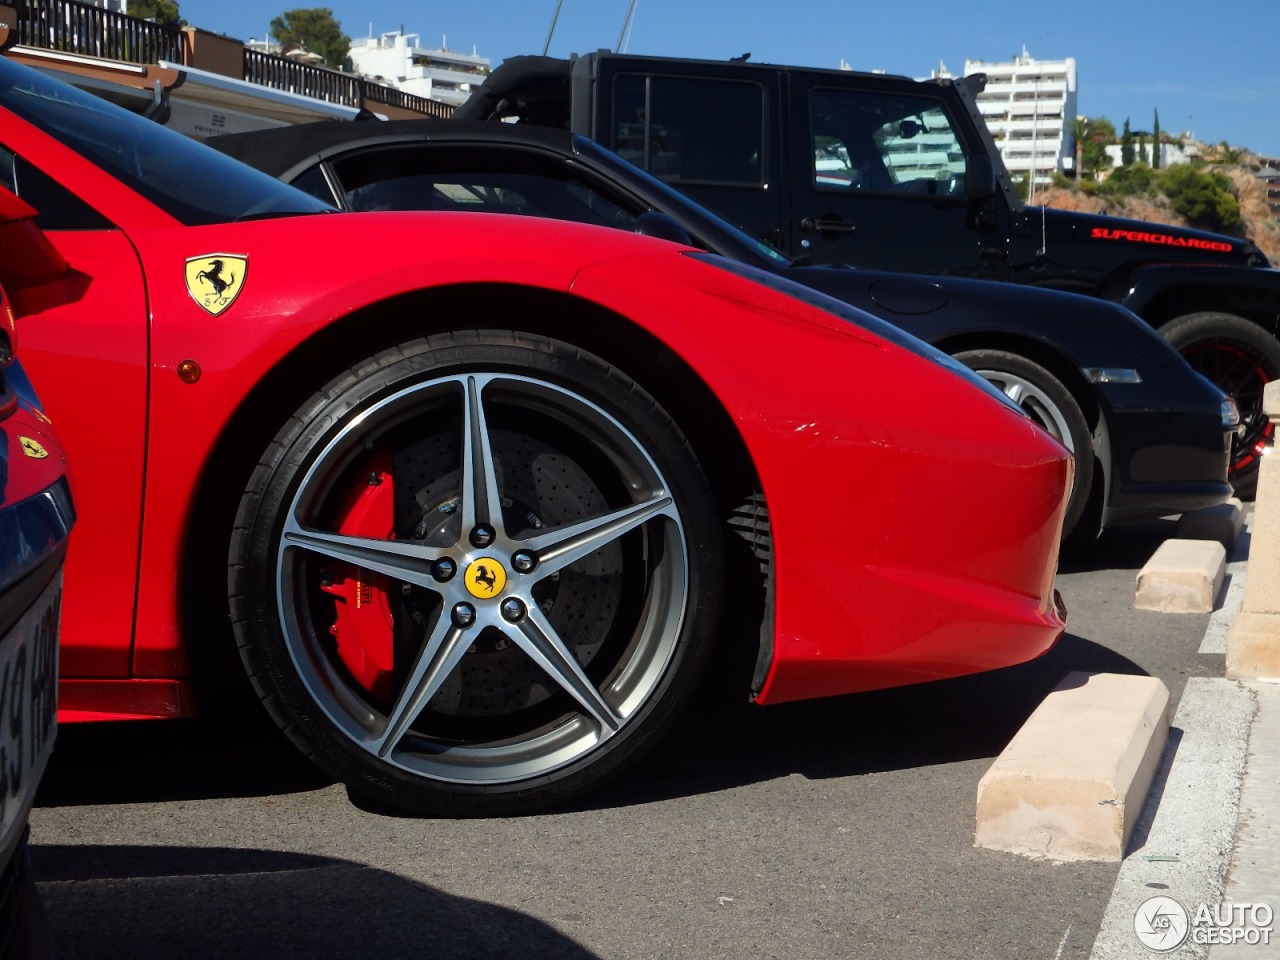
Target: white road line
<point>1184,836</point>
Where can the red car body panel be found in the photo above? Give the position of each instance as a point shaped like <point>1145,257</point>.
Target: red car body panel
<point>885,572</point>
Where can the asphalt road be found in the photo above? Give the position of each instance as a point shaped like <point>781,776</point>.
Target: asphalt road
<point>831,829</point>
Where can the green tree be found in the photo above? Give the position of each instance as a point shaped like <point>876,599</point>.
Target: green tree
<point>1128,181</point>
<point>1126,145</point>
<point>157,11</point>
<point>1229,154</point>
<point>1205,199</point>
<point>1155,143</point>
<point>1098,134</point>
<point>314,30</point>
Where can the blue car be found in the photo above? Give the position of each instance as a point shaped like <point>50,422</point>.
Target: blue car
<point>35,519</point>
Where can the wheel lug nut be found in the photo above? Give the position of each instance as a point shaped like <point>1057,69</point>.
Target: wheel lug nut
<point>512,610</point>
<point>443,570</point>
<point>464,615</point>
<point>524,561</point>
<point>482,535</point>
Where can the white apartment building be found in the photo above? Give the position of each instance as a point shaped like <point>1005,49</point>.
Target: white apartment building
<point>437,73</point>
<point>1030,109</point>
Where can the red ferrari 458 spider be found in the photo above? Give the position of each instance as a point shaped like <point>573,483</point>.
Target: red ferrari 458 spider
<point>471,494</point>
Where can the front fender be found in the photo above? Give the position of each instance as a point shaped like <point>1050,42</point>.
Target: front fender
<point>1161,293</point>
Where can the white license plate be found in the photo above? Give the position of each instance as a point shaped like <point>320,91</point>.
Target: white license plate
<point>28,707</point>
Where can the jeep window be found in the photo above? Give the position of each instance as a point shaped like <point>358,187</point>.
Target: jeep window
<point>898,144</point>
<point>691,129</point>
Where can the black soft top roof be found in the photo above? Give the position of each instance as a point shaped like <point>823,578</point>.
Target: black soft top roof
<point>536,89</point>
<point>281,149</point>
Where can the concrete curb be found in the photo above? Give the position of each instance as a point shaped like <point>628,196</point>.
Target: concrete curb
<point>1222,523</point>
<point>1071,782</point>
<point>1182,576</point>
<point>1185,834</point>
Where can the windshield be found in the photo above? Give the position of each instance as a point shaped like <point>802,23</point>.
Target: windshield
<point>186,179</point>
<point>706,228</point>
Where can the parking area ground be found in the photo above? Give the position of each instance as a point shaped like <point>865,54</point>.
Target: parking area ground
<point>837,828</point>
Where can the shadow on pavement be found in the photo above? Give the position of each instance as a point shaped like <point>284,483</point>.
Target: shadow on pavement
<point>715,746</point>
<point>1120,548</point>
<point>943,722</point>
<point>128,902</point>
<point>166,760</point>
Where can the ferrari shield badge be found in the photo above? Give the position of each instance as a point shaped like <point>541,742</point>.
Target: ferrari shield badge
<point>215,280</point>
<point>33,448</point>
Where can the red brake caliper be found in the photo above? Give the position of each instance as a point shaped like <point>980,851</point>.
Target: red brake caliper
<point>363,625</point>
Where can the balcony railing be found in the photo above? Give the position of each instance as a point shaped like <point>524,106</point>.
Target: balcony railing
<point>333,86</point>
<point>392,97</point>
<point>71,27</point>
<point>280,73</point>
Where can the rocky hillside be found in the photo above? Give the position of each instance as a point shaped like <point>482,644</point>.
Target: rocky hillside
<point>1259,224</point>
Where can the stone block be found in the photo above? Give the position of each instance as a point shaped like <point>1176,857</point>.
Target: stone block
<point>1253,646</point>
<point>1222,523</point>
<point>1071,783</point>
<point>1182,576</point>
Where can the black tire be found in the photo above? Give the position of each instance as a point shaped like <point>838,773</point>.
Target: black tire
<point>1049,403</point>
<point>582,600</point>
<point>1241,358</point>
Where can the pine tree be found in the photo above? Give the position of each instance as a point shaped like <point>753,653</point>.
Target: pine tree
<point>1155,143</point>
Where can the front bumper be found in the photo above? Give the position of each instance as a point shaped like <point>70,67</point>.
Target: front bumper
<point>1169,447</point>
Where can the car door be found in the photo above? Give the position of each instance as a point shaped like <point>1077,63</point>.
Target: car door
<point>878,180</point>
<point>84,342</point>
<point>708,136</point>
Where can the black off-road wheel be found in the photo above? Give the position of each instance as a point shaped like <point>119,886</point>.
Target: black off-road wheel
<point>476,574</point>
<point>1045,399</point>
<point>1241,358</point>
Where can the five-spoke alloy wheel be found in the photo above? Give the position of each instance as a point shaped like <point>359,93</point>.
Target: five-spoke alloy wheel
<point>476,574</point>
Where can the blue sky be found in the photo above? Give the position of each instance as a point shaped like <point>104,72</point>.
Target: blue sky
<point>1210,70</point>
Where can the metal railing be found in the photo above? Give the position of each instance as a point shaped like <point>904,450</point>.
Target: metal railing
<point>69,26</point>
<point>72,27</point>
<point>392,97</point>
<point>333,86</point>
<point>279,73</point>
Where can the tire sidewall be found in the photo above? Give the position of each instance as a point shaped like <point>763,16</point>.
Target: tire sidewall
<point>1192,329</point>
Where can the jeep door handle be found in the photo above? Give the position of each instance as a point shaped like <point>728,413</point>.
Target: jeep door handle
<point>814,225</point>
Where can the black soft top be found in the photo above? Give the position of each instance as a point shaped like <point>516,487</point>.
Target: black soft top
<point>535,89</point>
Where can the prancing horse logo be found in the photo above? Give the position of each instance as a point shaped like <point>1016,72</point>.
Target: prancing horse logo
<point>215,280</point>
<point>485,578</point>
<point>213,277</point>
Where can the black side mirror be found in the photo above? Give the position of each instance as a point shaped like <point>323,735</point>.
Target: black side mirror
<point>979,177</point>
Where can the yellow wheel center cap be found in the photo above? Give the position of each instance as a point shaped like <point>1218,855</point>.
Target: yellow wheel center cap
<point>485,578</point>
